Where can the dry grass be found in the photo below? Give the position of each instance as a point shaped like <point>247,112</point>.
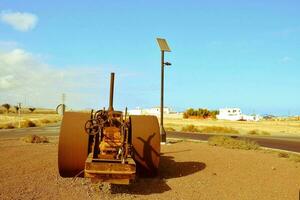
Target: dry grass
<point>25,110</point>
<point>218,129</point>
<point>35,139</point>
<point>264,127</point>
<point>265,133</point>
<point>24,124</point>
<point>45,121</point>
<point>208,129</point>
<point>232,143</point>
<point>258,132</point>
<point>169,129</point>
<point>253,132</point>
<point>27,120</point>
<point>190,128</point>
<point>7,126</point>
<point>294,157</point>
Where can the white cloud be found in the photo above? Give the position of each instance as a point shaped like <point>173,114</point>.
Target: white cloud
<point>18,20</point>
<point>6,82</point>
<point>26,77</point>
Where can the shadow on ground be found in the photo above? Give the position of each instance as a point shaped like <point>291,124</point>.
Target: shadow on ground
<point>168,169</point>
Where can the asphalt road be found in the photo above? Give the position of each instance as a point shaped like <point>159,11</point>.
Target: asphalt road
<point>284,143</point>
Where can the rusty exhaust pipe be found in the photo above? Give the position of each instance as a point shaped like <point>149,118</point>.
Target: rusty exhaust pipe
<point>111,94</point>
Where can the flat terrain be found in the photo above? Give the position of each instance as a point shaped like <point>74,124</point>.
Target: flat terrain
<point>288,127</point>
<point>276,127</point>
<point>289,143</point>
<point>188,171</point>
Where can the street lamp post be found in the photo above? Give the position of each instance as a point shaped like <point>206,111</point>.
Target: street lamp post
<point>163,47</point>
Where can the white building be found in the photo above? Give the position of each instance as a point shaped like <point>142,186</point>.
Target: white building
<point>136,111</point>
<point>235,114</point>
<point>149,111</point>
<point>156,111</point>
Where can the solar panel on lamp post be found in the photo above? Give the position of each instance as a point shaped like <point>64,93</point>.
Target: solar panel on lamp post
<point>163,45</point>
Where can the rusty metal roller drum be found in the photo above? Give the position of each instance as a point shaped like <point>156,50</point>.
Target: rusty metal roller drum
<point>73,144</point>
<point>146,143</point>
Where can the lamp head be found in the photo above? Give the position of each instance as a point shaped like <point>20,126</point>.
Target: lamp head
<point>167,64</point>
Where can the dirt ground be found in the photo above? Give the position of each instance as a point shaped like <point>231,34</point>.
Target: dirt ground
<point>188,170</point>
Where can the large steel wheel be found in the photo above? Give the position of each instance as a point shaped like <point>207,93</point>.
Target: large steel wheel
<point>145,138</point>
<point>73,144</point>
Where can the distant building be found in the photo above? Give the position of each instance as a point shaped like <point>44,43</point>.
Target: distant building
<point>156,110</point>
<point>149,111</point>
<point>235,114</point>
<point>136,111</point>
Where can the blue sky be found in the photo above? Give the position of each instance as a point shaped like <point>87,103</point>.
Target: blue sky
<point>224,54</point>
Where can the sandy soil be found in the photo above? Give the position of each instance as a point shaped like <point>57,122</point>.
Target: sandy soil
<point>188,171</point>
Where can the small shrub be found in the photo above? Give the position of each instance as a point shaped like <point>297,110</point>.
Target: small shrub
<point>190,128</point>
<point>257,132</point>
<point>169,129</point>
<point>35,139</point>
<point>185,115</point>
<point>28,123</point>
<point>17,108</point>
<point>31,109</point>
<point>219,129</point>
<point>283,155</point>
<point>253,132</point>
<point>290,156</point>
<point>200,113</point>
<point>232,143</point>
<point>9,126</point>
<point>6,106</point>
